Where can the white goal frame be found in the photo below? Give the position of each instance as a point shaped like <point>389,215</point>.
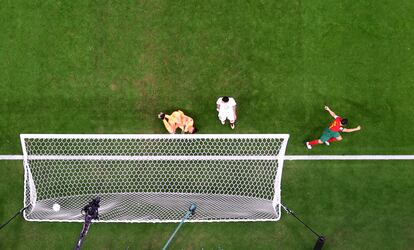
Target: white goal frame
<point>30,185</point>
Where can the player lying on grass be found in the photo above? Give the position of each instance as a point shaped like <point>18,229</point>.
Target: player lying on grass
<point>178,120</point>
<point>331,133</point>
<point>226,108</point>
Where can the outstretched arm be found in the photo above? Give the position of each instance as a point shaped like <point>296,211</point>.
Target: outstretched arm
<point>330,112</point>
<point>171,128</point>
<point>349,130</point>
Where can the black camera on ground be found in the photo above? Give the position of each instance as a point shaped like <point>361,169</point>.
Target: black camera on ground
<point>91,209</point>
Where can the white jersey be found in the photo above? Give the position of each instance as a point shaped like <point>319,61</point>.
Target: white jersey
<point>226,107</point>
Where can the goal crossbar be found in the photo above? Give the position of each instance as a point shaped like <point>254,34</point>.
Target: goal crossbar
<point>151,158</point>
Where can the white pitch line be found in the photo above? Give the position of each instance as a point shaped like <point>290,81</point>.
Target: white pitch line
<point>297,157</point>
<point>348,157</point>
<point>11,157</point>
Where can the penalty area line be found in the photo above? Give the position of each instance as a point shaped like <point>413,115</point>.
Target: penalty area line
<point>296,157</point>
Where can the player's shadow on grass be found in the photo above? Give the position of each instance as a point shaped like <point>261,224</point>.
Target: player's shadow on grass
<point>312,133</point>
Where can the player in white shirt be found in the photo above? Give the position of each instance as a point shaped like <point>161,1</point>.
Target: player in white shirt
<point>226,108</point>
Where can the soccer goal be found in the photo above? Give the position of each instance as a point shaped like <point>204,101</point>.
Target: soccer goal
<point>154,178</point>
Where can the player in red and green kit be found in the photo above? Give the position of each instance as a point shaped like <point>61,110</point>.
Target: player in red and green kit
<point>331,133</point>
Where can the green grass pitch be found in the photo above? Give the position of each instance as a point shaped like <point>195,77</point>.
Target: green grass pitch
<point>110,67</point>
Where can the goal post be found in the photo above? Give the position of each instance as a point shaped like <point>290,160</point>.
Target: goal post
<point>153,178</point>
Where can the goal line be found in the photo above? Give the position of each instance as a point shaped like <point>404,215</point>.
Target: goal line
<point>347,157</point>
<point>294,157</point>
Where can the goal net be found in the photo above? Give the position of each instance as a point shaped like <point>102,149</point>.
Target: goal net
<point>154,178</point>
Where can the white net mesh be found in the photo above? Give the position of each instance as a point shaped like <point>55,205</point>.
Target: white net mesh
<point>154,178</point>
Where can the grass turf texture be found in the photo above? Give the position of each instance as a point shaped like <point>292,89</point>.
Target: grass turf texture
<point>89,67</point>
